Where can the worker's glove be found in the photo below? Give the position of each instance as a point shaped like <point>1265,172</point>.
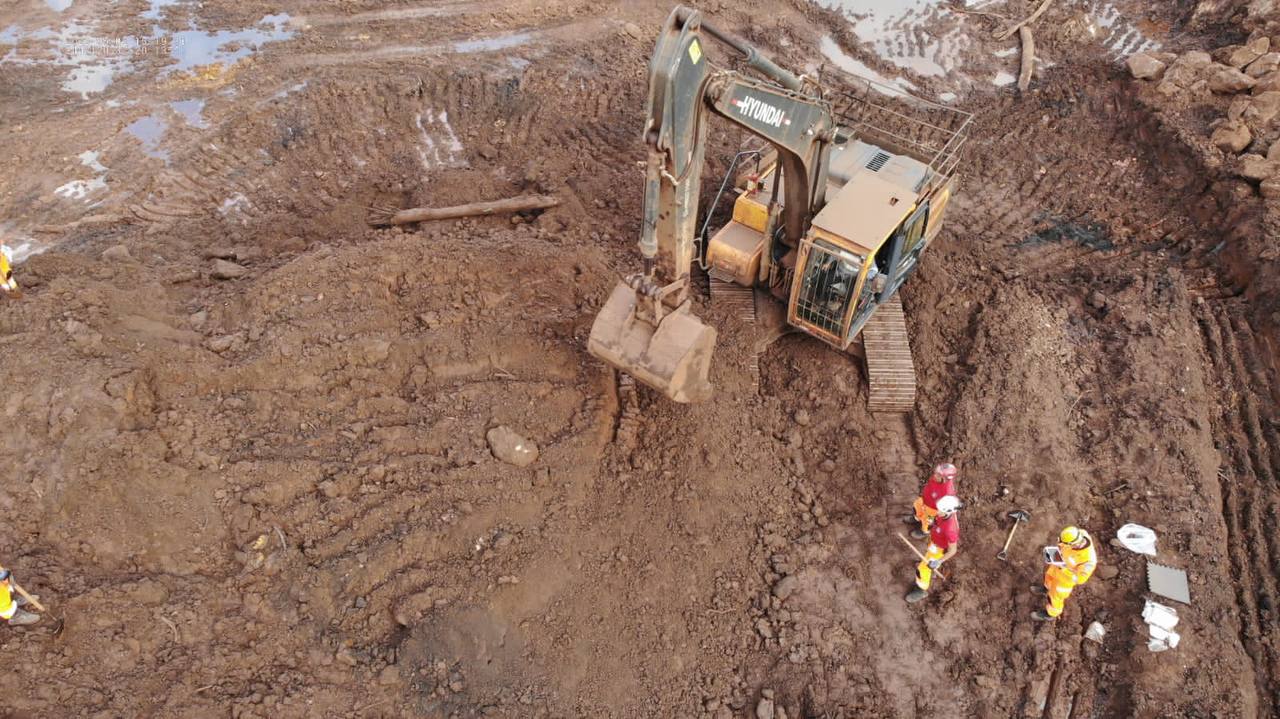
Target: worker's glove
<point>935,563</point>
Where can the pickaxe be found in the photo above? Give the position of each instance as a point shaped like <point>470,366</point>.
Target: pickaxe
<point>921,556</point>
<point>1018,516</point>
<point>35,604</point>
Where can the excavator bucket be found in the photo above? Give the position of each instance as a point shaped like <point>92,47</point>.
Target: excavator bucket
<point>674,357</point>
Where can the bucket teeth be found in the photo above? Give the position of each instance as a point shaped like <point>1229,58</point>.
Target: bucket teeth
<point>673,357</point>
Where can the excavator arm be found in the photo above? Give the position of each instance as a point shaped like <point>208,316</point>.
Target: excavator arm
<point>646,328</point>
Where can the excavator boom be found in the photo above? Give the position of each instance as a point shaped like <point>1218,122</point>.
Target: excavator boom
<point>646,327</point>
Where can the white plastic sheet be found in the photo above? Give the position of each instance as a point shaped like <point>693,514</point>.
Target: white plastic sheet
<point>1158,615</point>
<point>1138,538</point>
<point>1160,623</point>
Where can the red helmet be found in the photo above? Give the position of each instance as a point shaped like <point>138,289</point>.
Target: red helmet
<point>946,471</point>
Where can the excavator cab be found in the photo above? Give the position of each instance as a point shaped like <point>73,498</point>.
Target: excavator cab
<point>887,194</point>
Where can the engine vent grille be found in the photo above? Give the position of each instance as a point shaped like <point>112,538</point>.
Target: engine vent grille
<point>878,161</point>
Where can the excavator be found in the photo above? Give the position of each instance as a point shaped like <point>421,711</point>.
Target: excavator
<point>848,190</point>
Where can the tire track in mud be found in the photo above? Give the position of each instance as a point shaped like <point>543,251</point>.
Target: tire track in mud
<point>526,39</point>
<point>447,121</point>
<point>1248,486</point>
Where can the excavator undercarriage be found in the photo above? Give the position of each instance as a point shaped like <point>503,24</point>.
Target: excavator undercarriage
<point>847,192</point>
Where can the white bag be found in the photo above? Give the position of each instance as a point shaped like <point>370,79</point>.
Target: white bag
<point>1160,623</point>
<point>1158,615</point>
<point>1138,538</point>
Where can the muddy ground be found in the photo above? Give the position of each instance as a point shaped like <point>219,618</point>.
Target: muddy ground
<point>272,494</point>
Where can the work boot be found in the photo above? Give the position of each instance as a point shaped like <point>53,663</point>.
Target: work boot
<point>22,619</point>
<point>916,595</point>
<point>918,533</point>
<point>910,519</point>
<point>1041,615</point>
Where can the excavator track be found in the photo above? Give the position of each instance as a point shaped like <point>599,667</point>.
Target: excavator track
<point>890,371</point>
<point>740,302</point>
<point>734,299</point>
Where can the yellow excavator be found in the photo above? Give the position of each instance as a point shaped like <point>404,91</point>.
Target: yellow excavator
<point>849,191</point>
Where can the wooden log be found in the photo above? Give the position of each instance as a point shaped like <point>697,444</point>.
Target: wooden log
<point>474,209</point>
<point>1029,19</point>
<point>1028,58</point>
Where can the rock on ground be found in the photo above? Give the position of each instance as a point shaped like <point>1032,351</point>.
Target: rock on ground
<point>224,270</point>
<point>1145,67</point>
<point>118,253</point>
<point>1239,56</point>
<point>1256,167</point>
<point>1263,109</point>
<point>1231,137</point>
<point>511,447</point>
<point>784,588</point>
<point>1227,80</point>
<point>1264,65</point>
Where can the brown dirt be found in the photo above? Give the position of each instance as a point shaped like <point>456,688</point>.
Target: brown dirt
<point>273,496</point>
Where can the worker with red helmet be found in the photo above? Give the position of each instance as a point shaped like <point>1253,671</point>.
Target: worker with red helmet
<point>942,483</point>
<point>944,539</point>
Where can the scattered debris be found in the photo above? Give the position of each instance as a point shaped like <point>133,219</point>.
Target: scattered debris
<point>1029,19</point>
<point>497,207</point>
<point>1028,58</point>
<point>1160,623</point>
<point>1137,538</point>
<point>1095,632</point>
<point>1168,582</point>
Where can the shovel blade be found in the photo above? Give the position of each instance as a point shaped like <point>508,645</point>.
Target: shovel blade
<point>673,357</point>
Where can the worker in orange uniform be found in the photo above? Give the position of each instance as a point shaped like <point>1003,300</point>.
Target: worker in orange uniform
<point>944,539</point>
<point>1078,558</point>
<point>942,483</point>
<point>9,604</point>
<point>6,272</point>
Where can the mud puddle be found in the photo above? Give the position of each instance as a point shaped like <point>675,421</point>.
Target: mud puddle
<point>194,48</point>
<point>150,132</point>
<point>97,60</point>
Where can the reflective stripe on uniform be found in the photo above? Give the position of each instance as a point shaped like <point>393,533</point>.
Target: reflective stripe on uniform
<point>924,575</point>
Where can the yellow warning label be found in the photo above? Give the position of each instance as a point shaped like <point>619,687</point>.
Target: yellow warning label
<point>695,52</point>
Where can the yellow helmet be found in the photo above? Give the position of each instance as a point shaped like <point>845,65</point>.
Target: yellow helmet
<point>1070,535</point>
